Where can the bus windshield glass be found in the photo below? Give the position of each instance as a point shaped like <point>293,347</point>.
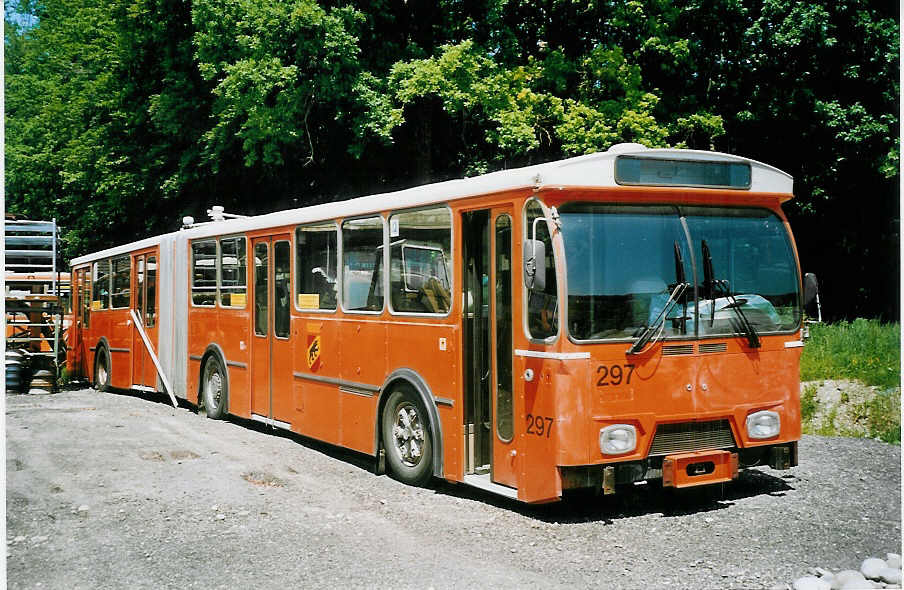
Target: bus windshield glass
<point>625,262</point>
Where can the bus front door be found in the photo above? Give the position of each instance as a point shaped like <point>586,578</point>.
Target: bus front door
<point>271,346</point>
<point>490,443</point>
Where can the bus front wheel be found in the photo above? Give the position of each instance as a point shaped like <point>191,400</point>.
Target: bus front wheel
<point>407,438</point>
<point>214,388</point>
<point>102,369</point>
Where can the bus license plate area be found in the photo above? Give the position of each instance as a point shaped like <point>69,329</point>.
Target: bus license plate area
<point>700,468</point>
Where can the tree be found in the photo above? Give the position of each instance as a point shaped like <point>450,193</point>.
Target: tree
<point>124,116</point>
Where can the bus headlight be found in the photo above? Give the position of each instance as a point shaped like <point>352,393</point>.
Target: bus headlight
<point>618,439</point>
<point>763,424</point>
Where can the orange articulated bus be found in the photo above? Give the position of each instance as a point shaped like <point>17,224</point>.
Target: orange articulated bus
<point>602,320</point>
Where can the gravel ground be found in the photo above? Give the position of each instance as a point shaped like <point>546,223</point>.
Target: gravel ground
<point>124,491</point>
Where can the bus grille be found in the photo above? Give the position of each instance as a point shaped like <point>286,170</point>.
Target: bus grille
<point>713,347</point>
<point>677,349</point>
<point>686,437</point>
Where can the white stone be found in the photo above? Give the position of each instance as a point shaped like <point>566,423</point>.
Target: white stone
<point>871,566</point>
<point>811,583</point>
<point>221,516</point>
<point>890,575</point>
<point>893,560</point>
<point>845,576</point>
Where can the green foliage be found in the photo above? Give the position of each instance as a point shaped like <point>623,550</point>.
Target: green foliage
<point>866,350</point>
<point>883,416</point>
<point>808,403</point>
<point>859,411</point>
<point>273,66</point>
<point>124,116</point>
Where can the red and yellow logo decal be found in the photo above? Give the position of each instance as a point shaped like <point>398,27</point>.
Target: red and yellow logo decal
<point>313,352</point>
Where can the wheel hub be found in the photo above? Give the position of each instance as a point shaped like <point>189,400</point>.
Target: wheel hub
<point>409,434</point>
<point>214,387</point>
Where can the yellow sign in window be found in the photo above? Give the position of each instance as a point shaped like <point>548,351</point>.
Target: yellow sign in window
<point>309,300</point>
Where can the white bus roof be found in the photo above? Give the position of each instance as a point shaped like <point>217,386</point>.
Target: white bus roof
<point>589,171</point>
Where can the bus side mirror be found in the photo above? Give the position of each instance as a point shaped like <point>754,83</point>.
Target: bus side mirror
<point>811,288</point>
<point>535,265</point>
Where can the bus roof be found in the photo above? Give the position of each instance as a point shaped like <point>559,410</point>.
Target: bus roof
<point>589,171</point>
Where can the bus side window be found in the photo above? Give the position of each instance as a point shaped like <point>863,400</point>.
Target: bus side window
<point>100,295</point>
<point>233,271</point>
<point>542,306</point>
<point>204,272</point>
<point>362,269</point>
<point>122,278</point>
<point>420,261</point>
<point>150,315</point>
<point>315,266</point>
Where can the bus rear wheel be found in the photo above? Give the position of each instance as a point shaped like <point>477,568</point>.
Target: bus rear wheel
<point>214,389</point>
<point>407,438</point>
<point>102,369</point>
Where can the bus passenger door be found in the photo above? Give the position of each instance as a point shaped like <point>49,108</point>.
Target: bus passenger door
<point>489,397</point>
<point>149,318</point>
<point>271,347</point>
<point>81,306</point>
<point>140,356</point>
<point>504,452</point>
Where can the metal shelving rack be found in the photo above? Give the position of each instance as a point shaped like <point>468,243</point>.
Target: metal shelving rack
<point>35,295</point>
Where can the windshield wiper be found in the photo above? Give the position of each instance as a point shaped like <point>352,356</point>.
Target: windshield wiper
<point>680,278</point>
<point>753,339</point>
<point>711,285</point>
<point>647,333</point>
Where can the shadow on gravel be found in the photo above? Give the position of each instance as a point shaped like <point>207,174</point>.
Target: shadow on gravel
<point>637,500</point>
<point>576,506</point>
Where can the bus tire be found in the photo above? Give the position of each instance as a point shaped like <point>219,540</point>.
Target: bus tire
<point>214,388</point>
<point>102,369</point>
<point>407,438</point>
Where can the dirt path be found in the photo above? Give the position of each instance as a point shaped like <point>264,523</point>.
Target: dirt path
<point>122,491</point>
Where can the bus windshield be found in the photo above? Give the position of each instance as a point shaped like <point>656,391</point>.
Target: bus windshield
<point>625,262</point>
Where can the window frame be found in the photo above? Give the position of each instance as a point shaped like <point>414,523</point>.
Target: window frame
<point>694,263</point>
<point>219,301</point>
<point>273,245</point>
<point>451,268</point>
<point>341,265</point>
<point>191,269</point>
<point>295,290</point>
<point>495,337</point>
<point>150,301</point>
<point>560,271</point>
<point>104,301</point>
<point>128,304</point>
<point>267,244</point>
<point>790,242</point>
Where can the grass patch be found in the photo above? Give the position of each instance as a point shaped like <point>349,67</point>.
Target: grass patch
<point>866,350</point>
<point>809,403</point>
<point>883,416</point>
